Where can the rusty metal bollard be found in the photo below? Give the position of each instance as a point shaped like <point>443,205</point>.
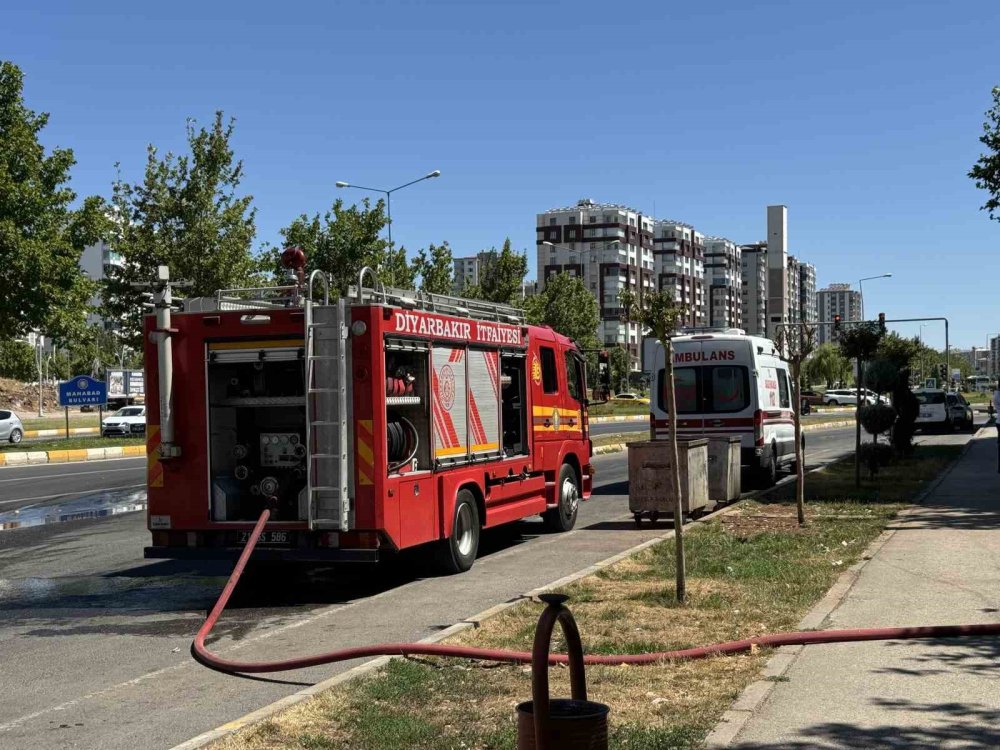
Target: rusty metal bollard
<point>559,723</point>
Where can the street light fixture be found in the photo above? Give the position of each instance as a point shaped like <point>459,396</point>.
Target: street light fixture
<point>861,287</point>
<point>388,195</point>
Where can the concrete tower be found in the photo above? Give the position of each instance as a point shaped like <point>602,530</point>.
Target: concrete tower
<point>777,263</point>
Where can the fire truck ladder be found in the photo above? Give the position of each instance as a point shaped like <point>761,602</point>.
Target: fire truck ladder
<point>327,473</point>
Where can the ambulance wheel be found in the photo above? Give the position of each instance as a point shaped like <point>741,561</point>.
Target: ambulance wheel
<point>457,553</point>
<point>768,475</point>
<point>563,517</point>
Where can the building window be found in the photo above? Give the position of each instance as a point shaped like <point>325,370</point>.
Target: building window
<point>552,221</point>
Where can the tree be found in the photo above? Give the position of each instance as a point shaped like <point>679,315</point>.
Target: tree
<point>185,214</point>
<point>986,171</point>
<point>17,360</point>
<point>41,238</point>
<point>396,271</point>
<point>827,365</point>
<point>860,343</point>
<point>435,267</point>
<point>796,344</point>
<point>568,307</point>
<point>658,313</point>
<point>621,365</point>
<point>342,242</point>
<point>501,276</point>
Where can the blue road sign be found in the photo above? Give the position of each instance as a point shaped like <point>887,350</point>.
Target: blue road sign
<point>83,391</point>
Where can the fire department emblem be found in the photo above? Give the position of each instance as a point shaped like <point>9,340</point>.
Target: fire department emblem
<point>536,371</point>
<point>446,387</point>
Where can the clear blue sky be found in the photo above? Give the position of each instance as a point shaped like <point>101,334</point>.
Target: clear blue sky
<point>861,117</point>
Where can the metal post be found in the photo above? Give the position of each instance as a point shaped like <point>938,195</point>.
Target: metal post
<point>165,365</point>
<point>388,216</point>
<point>66,409</point>
<point>38,362</point>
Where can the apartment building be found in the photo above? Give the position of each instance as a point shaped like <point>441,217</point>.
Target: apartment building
<point>610,247</point>
<point>465,272</point>
<point>723,277</point>
<point>753,288</point>
<point>793,303</point>
<point>679,263</point>
<point>808,306</point>
<point>837,299</point>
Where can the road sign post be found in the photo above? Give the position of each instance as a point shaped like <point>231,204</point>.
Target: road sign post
<point>82,390</point>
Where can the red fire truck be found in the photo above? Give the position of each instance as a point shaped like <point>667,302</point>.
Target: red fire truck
<point>381,421</point>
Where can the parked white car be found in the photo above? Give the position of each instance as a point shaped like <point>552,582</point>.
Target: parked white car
<point>934,413</point>
<point>129,420</point>
<point>10,427</point>
<point>849,397</point>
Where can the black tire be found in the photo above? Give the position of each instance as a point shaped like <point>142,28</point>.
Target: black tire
<point>563,517</point>
<point>768,474</point>
<point>457,553</point>
<point>16,435</point>
<point>833,402</point>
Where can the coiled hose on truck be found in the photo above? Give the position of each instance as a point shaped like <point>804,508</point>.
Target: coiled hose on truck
<point>206,657</point>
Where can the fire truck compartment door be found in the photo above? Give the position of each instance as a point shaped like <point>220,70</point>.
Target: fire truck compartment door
<point>451,428</point>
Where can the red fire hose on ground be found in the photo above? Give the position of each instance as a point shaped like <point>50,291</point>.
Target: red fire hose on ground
<point>206,657</point>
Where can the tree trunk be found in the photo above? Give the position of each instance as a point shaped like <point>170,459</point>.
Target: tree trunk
<point>675,459</point>
<point>800,469</point>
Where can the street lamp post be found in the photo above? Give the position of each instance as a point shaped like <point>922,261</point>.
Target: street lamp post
<point>861,287</point>
<point>388,195</point>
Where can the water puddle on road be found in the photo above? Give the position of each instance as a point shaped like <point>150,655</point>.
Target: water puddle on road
<point>93,505</point>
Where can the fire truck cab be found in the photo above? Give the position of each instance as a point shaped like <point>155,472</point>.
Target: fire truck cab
<point>384,420</point>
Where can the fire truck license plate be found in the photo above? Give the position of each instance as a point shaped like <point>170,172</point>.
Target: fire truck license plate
<point>267,539</point>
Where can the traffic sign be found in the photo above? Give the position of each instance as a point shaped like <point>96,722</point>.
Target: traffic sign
<point>83,390</point>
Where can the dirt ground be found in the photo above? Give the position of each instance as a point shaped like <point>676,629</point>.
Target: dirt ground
<point>23,397</point>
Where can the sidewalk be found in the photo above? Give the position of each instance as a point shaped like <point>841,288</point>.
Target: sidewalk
<point>941,566</point>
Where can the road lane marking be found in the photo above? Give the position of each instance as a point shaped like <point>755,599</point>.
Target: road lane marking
<point>72,494</point>
<point>69,474</point>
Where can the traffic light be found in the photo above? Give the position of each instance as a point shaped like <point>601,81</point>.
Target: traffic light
<point>836,327</point>
<point>604,369</point>
<point>881,323</point>
<point>942,373</point>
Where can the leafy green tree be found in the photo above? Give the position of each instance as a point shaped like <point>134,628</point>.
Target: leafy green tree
<point>343,241</point>
<point>17,360</point>
<point>186,214</point>
<point>796,343</point>
<point>396,271</point>
<point>501,276</point>
<point>41,237</point>
<point>435,267</point>
<point>827,365</point>
<point>620,363</point>
<point>567,307</point>
<point>658,313</point>
<point>986,171</point>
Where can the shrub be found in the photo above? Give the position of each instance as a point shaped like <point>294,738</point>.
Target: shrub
<point>877,418</point>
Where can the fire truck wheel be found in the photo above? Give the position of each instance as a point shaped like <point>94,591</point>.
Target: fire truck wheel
<point>457,553</point>
<point>563,518</point>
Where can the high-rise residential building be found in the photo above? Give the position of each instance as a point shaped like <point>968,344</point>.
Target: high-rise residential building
<point>609,246</point>
<point>723,278</point>
<point>97,262</point>
<point>465,272</point>
<point>994,357</point>
<point>679,262</point>
<point>753,288</point>
<point>793,302</point>
<point>777,268</point>
<point>837,299</point>
<point>808,309</point>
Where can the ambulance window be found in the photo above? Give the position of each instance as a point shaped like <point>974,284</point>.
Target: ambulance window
<point>783,397</point>
<point>685,390</point>
<point>730,389</point>
<point>549,382</point>
<point>573,384</point>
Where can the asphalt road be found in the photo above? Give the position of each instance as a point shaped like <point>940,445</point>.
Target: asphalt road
<point>95,639</point>
<point>22,486</point>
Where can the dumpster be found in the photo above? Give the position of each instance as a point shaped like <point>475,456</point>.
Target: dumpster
<point>724,469</point>
<point>651,487</point>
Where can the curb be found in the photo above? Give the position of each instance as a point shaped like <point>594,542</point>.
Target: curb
<point>29,458</point>
<point>734,720</point>
<point>61,432</point>
<point>620,418</point>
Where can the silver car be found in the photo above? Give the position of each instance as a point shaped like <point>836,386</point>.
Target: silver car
<point>10,427</point>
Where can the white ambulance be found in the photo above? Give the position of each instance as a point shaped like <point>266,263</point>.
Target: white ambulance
<point>727,383</point>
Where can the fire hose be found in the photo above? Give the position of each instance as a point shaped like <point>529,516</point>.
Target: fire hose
<point>795,638</point>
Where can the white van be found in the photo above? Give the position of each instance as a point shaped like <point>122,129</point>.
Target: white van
<point>728,383</point>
